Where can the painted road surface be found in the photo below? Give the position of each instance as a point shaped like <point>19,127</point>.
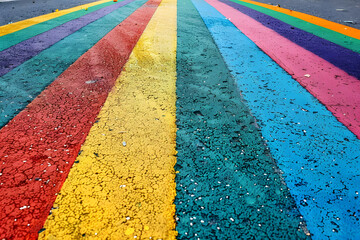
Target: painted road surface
<point>345,12</point>
<point>192,119</point>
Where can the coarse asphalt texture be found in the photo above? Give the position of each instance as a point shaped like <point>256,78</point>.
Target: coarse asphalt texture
<point>179,119</point>
<point>339,11</point>
<point>346,12</point>
<point>225,167</point>
<point>17,10</point>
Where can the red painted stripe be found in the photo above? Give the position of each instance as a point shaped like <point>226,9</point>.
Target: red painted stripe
<point>333,87</point>
<point>39,146</point>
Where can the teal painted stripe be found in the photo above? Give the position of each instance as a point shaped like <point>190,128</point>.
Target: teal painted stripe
<point>319,156</point>
<point>11,39</point>
<point>20,86</point>
<point>228,186</point>
<point>341,57</point>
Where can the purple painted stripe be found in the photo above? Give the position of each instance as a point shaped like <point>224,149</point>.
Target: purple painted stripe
<point>341,57</point>
<point>14,56</point>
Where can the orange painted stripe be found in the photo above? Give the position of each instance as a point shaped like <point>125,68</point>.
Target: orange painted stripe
<point>348,31</point>
<point>13,27</point>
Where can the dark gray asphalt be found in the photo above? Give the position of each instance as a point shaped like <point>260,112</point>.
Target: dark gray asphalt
<point>14,11</point>
<point>348,10</point>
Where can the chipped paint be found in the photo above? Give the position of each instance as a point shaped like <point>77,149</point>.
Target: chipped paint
<point>39,146</point>
<point>318,155</point>
<point>24,83</point>
<point>298,181</point>
<point>228,186</point>
<point>119,191</point>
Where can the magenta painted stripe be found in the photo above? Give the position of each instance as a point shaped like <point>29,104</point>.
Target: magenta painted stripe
<point>340,56</point>
<point>14,56</point>
<point>333,87</point>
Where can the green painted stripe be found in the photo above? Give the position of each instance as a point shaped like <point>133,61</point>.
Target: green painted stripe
<point>20,86</point>
<point>325,33</point>
<point>319,156</point>
<point>11,39</point>
<point>228,186</point>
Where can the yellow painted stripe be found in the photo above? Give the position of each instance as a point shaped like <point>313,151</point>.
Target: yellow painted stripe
<point>13,27</point>
<point>348,31</point>
<point>124,183</point>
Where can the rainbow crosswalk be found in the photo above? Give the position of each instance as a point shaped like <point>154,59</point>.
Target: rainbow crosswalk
<point>179,119</point>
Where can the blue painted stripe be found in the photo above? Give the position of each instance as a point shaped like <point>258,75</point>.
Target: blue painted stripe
<point>228,186</point>
<point>319,156</point>
<point>340,56</point>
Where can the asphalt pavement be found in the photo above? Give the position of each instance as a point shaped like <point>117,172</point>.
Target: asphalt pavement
<point>14,11</point>
<point>194,119</point>
<point>346,12</point>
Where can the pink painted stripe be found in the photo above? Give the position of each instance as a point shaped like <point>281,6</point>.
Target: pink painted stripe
<point>333,87</point>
